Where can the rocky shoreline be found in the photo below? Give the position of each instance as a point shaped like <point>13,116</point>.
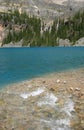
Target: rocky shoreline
<point>55,101</point>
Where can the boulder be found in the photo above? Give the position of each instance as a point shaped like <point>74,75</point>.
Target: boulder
<point>11,44</point>
<point>80,42</point>
<point>64,42</point>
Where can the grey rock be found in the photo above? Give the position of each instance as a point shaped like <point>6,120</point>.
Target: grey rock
<point>80,42</point>
<point>46,9</point>
<point>11,44</point>
<point>64,42</point>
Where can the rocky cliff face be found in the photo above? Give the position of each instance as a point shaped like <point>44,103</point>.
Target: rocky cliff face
<point>46,9</point>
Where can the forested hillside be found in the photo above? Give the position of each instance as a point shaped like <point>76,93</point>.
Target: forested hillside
<point>33,31</point>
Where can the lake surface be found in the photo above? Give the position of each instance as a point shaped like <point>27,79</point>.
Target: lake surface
<point>18,64</point>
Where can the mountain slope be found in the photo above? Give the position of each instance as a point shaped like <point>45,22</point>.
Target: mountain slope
<point>41,30</point>
<point>47,9</point>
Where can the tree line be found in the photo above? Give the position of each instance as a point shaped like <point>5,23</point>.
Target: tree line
<point>33,33</point>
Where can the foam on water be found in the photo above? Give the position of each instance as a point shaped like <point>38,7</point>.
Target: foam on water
<point>48,99</point>
<point>61,124</point>
<point>49,111</point>
<point>34,93</point>
<point>68,107</point>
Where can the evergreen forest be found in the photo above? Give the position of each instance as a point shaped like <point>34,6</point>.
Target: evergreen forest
<point>33,31</point>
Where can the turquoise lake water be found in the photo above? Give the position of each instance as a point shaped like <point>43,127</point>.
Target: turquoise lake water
<point>18,64</point>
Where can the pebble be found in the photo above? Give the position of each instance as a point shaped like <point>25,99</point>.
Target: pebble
<point>71,88</point>
<point>77,89</point>
<point>44,81</point>
<point>13,129</point>
<point>52,89</point>
<point>64,82</point>
<point>58,81</point>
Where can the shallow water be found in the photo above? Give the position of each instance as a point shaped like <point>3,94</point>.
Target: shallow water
<point>47,103</point>
<point>17,64</point>
<point>37,109</point>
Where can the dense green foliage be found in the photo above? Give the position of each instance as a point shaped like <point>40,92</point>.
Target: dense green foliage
<point>33,32</point>
<point>21,26</point>
<point>73,29</point>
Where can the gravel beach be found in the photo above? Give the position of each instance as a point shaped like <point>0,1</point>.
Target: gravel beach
<point>52,102</point>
